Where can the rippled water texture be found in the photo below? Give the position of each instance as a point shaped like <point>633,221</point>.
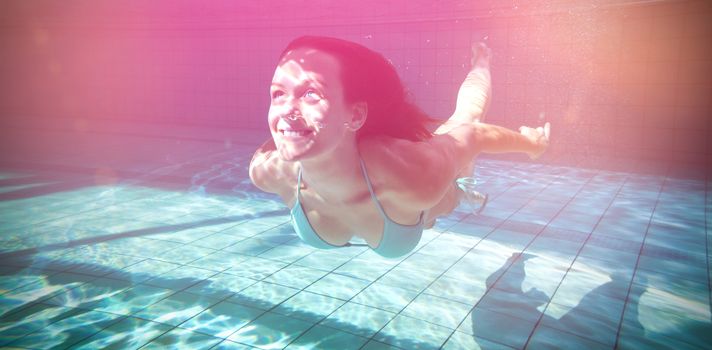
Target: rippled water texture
<point>191,255</point>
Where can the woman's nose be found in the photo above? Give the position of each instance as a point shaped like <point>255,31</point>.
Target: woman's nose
<point>292,112</point>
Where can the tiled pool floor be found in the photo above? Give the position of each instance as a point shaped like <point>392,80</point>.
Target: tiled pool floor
<point>124,251</point>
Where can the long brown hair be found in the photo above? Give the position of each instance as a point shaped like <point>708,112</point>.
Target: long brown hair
<point>369,77</point>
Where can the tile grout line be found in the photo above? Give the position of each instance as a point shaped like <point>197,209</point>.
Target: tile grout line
<point>510,265</point>
<point>707,239</point>
<point>637,263</point>
<point>538,322</point>
<point>373,282</point>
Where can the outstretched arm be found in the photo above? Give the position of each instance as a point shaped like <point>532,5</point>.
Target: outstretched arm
<point>496,139</point>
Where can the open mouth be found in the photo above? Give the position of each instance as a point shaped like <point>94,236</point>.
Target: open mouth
<point>295,133</point>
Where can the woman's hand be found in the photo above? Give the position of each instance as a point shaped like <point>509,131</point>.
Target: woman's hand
<point>539,138</point>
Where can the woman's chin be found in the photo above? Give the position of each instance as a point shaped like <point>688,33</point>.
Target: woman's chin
<point>291,154</point>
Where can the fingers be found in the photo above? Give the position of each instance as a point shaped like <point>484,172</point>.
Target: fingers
<point>547,130</point>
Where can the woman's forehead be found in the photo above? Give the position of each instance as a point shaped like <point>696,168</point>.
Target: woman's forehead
<point>311,64</point>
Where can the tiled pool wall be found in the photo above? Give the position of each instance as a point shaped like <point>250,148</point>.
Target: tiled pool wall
<point>622,82</point>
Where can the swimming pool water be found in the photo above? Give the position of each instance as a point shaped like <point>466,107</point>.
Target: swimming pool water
<point>188,254</point>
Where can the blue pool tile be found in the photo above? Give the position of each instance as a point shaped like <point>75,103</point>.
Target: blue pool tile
<point>296,276</point>
<point>667,317</point>
<point>180,278</point>
<point>632,229</point>
<point>358,319</point>
<point>129,333</point>
<point>412,279</point>
<point>584,280</point>
<point>568,233</point>
<point>550,338</point>
<point>143,270</point>
<point>676,285</point>
<point>463,290</point>
<point>410,333</point>
<point>13,278</point>
<point>251,246</point>
<point>614,256</point>
<point>613,243</point>
<point>326,338</point>
<point>364,269</point>
<point>217,241</point>
<point>440,311</point>
<point>573,218</point>
<point>222,319</point>
<point>221,285</point>
<point>586,320</point>
<point>693,243</point>
<point>323,260</point>
<point>511,239</point>
<point>286,253</point>
<point>460,340</point>
<point>376,345</point>
<point>271,331</point>
<point>185,254</point>
<point>497,327</point>
<point>219,261</point>
<point>256,268</point>
<point>67,329</point>
<point>385,297</point>
<point>338,286</point>
<point>180,338</point>
<point>525,306</point>
<point>308,306</point>
<point>29,319</point>
<point>131,300</point>
<point>197,234</point>
<point>89,293</point>
<point>560,249</point>
<point>674,268</point>
<point>230,345</point>
<point>263,295</point>
<point>471,229</point>
<point>176,308</point>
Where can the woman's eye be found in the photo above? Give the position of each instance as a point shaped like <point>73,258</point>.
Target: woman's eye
<point>277,94</point>
<point>312,95</point>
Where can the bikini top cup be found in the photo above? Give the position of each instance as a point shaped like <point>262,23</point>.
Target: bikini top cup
<point>398,240</point>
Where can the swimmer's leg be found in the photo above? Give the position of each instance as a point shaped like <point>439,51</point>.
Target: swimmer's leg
<point>473,100</point>
<point>474,95</point>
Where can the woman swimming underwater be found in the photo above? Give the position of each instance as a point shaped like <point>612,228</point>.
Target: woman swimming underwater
<point>351,156</point>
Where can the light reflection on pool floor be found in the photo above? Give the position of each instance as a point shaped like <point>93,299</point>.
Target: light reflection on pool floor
<point>192,256</point>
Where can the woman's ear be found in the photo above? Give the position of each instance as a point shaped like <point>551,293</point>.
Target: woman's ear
<point>359,115</point>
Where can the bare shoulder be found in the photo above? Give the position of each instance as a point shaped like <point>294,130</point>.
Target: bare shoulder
<point>414,172</point>
<point>271,174</point>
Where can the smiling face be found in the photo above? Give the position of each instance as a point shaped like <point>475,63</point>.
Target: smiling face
<point>307,110</point>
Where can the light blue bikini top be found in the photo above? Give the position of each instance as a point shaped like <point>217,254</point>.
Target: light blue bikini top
<point>397,240</point>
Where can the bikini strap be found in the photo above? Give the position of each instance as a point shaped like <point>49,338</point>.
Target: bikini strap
<point>299,182</point>
<point>370,189</point>
<point>375,199</point>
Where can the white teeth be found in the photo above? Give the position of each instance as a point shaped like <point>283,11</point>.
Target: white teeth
<point>295,133</point>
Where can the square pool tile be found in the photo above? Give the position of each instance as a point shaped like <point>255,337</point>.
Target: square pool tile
<point>270,331</point>
<point>410,333</point>
<point>358,319</point>
<point>326,338</point>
